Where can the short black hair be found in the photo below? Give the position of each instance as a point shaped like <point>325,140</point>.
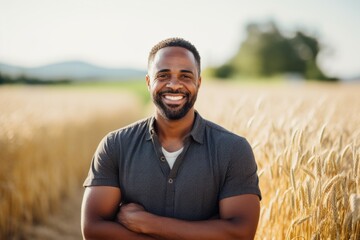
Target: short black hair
<point>175,42</point>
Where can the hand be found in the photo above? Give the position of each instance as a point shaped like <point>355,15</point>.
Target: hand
<point>131,216</point>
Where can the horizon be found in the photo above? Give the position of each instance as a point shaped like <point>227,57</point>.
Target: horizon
<point>119,34</point>
<point>73,61</point>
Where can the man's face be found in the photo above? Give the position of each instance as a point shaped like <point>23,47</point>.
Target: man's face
<point>173,81</point>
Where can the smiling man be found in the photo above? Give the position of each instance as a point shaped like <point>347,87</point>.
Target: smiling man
<point>174,175</point>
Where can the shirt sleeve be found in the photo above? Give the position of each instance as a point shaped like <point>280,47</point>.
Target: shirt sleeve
<point>241,176</point>
<point>104,167</point>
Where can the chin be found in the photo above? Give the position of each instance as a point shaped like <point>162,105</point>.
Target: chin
<point>174,115</point>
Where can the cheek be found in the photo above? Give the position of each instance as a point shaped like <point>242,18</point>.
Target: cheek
<point>157,86</point>
<point>154,90</point>
<point>193,87</point>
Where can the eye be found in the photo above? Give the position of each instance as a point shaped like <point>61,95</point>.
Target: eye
<point>186,77</point>
<point>162,76</point>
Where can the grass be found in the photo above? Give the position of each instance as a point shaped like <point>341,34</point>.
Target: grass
<point>137,87</point>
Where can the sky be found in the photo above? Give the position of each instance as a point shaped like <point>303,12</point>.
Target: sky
<point>119,33</point>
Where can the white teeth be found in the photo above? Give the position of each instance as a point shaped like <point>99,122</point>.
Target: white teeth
<point>173,98</point>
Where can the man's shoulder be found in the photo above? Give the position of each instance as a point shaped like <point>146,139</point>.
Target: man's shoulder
<point>131,130</point>
<point>221,132</point>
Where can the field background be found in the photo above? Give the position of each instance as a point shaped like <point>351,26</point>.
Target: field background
<point>305,139</point>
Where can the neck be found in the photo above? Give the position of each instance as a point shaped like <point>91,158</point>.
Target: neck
<point>174,130</point>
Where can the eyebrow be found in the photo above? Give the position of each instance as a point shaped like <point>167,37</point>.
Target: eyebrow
<point>187,71</point>
<point>163,70</point>
<point>168,70</point>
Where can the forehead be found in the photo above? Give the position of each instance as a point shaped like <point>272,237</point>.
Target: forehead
<point>174,57</point>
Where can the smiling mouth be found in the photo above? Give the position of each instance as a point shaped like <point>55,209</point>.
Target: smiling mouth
<point>173,99</point>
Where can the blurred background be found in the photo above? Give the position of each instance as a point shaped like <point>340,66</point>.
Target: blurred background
<point>94,39</point>
<point>71,71</point>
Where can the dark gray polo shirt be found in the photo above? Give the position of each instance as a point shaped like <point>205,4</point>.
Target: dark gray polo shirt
<point>214,164</point>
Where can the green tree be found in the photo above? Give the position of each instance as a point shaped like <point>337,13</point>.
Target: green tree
<point>4,79</point>
<point>224,71</point>
<point>267,52</point>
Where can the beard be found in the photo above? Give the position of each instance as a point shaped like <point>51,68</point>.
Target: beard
<point>174,112</point>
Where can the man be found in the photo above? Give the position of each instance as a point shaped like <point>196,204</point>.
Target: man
<point>174,175</point>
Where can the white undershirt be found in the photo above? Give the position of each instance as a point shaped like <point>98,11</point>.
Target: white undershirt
<point>171,156</point>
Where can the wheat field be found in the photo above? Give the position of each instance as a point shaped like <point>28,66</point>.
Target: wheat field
<point>47,138</point>
<point>305,139</point>
<point>306,142</point>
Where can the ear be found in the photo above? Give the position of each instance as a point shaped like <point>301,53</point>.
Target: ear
<point>147,79</point>
<point>199,82</point>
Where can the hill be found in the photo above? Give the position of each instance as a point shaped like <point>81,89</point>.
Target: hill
<point>75,70</point>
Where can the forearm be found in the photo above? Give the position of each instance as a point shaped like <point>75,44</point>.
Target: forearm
<point>111,230</point>
<point>236,221</point>
<point>217,229</point>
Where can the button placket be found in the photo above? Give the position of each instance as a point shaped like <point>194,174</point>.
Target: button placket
<point>170,174</point>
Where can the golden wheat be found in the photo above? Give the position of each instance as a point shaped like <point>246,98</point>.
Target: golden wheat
<point>47,137</point>
<point>306,142</point>
<point>305,139</point>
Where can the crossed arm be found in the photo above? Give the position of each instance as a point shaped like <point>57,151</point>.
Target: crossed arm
<point>101,219</point>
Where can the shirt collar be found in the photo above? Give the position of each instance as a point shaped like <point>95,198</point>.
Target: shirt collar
<point>151,128</point>
<point>197,132</point>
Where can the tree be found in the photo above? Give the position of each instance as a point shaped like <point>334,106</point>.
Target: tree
<point>4,79</point>
<point>267,52</point>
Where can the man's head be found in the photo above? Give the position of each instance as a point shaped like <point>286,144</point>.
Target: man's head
<point>174,77</point>
<point>175,42</point>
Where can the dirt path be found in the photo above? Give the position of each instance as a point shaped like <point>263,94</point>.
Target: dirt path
<point>64,224</point>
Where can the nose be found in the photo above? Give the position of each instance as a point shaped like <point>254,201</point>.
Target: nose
<point>174,83</point>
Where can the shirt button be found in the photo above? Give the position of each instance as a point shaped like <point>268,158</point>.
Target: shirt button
<point>162,158</point>
<point>170,180</point>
